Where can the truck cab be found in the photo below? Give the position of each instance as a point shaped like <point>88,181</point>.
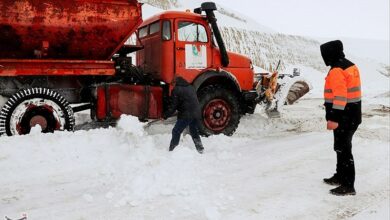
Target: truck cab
<point>183,44</point>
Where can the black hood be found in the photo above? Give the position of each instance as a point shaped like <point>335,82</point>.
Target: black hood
<point>180,81</point>
<point>332,52</point>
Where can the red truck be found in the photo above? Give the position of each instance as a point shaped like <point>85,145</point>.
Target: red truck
<point>55,53</point>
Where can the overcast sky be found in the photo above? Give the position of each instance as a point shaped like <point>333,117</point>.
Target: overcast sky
<point>367,19</point>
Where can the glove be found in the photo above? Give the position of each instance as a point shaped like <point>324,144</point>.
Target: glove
<point>331,125</point>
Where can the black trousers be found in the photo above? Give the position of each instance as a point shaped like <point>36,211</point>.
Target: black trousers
<point>345,168</point>
<point>179,127</point>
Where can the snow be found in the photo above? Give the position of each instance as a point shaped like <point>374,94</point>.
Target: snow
<point>270,169</point>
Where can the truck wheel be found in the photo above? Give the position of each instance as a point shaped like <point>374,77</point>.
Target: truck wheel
<point>36,106</point>
<point>220,110</point>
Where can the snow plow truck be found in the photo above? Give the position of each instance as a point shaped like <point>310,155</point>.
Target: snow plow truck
<point>61,57</point>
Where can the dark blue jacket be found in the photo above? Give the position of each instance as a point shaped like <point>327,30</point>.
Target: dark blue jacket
<point>184,100</point>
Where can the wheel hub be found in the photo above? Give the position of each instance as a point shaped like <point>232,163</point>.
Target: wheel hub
<point>38,120</point>
<point>217,114</point>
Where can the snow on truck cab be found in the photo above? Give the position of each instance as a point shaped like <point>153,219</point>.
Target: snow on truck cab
<point>62,57</point>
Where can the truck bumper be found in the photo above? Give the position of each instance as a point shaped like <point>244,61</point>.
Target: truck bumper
<point>249,96</point>
<point>249,101</point>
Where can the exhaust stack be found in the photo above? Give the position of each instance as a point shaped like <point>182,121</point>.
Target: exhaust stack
<point>209,8</point>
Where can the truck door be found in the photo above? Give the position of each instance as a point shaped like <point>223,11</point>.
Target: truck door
<point>192,46</point>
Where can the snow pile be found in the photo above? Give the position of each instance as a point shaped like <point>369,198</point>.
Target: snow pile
<point>130,124</point>
<point>115,168</point>
<point>259,173</point>
<point>36,130</point>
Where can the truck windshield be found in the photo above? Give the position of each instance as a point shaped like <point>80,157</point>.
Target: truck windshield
<point>192,32</point>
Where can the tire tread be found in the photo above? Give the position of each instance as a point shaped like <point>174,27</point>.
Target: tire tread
<point>36,92</point>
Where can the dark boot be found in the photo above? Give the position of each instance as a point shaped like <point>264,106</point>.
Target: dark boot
<point>334,181</point>
<point>172,147</point>
<point>198,145</point>
<point>343,191</point>
<point>200,149</point>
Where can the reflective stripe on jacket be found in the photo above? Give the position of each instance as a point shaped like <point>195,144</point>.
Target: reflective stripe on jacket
<point>342,87</point>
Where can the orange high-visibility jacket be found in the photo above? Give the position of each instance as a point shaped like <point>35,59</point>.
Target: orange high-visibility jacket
<point>342,86</point>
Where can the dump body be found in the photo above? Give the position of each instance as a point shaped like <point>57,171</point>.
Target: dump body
<point>68,30</point>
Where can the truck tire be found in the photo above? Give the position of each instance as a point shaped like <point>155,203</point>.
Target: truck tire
<point>36,106</point>
<point>220,110</point>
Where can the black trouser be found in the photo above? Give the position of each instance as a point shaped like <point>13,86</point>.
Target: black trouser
<point>345,168</point>
<point>179,127</point>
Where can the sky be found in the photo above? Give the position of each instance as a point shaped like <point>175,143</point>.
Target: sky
<point>363,19</point>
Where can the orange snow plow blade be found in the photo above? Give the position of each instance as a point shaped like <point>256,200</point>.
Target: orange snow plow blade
<point>274,93</point>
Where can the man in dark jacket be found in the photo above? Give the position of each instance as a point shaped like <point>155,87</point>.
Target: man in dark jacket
<point>185,101</point>
<point>342,96</point>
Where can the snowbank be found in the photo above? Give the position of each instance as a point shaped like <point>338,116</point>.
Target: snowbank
<point>270,169</point>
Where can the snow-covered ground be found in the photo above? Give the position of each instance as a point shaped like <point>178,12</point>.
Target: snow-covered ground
<point>270,169</point>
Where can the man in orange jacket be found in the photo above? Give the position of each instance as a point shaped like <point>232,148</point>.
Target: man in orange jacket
<point>342,96</point>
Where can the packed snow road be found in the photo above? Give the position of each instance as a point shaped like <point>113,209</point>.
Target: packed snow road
<point>270,169</point>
